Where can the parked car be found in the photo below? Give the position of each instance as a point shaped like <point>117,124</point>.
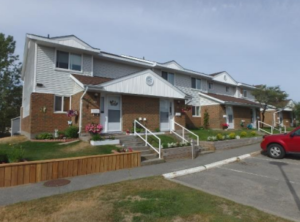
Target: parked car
<point>280,144</point>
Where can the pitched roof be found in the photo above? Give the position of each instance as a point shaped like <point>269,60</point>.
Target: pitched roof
<point>230,99</point>
<point>88,80</point>
<point>217,73</point>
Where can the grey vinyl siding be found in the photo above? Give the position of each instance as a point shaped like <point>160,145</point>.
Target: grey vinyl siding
<point>28,86</point>
<point>221,89</point>
<point>56,81</point>
<point>113,70</point>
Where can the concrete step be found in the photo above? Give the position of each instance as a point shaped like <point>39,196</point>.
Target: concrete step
<point>152,161</point>
<point>206,152</point>
<point>145,151</point>
<point>133,144</point>
<point>148,156</point>
<point>140,147</point>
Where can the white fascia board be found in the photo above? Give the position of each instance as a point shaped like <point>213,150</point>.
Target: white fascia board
<point>246,85</point>
<point>24,58</point>
<point>224,83</point>
<point>211,98</point>
<point>77,81</point>
<point>127,59</point>
<point>55,43</point>
<point>149,71</point>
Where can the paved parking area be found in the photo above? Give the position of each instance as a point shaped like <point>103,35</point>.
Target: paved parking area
<point>267,184</point>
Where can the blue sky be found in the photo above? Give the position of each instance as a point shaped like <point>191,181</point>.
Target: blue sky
<point>257,42</point>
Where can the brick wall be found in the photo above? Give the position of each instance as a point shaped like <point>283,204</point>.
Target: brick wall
<point>239,114</point>
<point>25,123</point>
<point>134,107</point>
<point>191,121</point>
<point>178,105</point>
<point>216,113</point>
<point>268,117</point>
<point>286,115</point>
<point>90,101</point>
<point>75,105</point>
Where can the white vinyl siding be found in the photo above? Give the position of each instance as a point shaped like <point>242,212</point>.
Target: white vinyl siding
<point>56,81</point>
<point>219,88</point>
<point>28,86</point>
<point>113,70</point>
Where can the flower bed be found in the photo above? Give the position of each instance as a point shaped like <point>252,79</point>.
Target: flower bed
<point>231,136</point>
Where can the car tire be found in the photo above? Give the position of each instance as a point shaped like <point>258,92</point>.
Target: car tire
<point>276,151</point>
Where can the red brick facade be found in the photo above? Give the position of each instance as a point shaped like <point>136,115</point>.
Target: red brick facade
<point>178,105</point>
<point>286,117</point>
<point>192,121</point>
<point>216,113</point>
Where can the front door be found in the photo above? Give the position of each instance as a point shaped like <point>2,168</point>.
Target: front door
<point>113,113</point>
<point>166,114</point>
<point>230,120</point>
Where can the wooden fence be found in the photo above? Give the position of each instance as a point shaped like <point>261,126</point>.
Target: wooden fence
<point>13,174</point>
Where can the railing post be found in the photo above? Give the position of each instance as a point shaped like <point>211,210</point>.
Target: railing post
<point>134,127</point>
<point>183,135</point>
<point>146,138</point>
<point>159,149</point>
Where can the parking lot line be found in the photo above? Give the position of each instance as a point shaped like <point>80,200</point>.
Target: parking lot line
<point>258,175</point>
<point>294,162</point>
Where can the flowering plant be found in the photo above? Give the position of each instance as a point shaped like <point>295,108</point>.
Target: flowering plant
<point>93,128</point>
<point>186,109</point>
<point>225,125</point>
<point>71,113</point>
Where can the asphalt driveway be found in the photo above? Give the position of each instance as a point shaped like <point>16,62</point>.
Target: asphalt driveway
<point>267,184</point>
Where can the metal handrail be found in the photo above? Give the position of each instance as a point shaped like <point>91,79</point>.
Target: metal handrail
<point>146,140</point>
<point>260,129</point>
<point>182,137</point>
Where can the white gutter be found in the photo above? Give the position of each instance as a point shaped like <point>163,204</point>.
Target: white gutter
<point>80,112</point>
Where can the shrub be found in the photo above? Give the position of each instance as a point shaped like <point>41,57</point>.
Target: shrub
<point>219,136</point>
<point>3,156</point>
<point>206,119</point>
<point>44,136</point>
<point>231,136</point>
<point>61,134</point>
<point>253,133</point>
<point>72,132</point>
<point>157,130</point>
<point>15,155</point>
<point>96,137</point>
<point>243,134</point>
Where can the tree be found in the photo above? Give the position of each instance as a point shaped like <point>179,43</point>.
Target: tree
<point>10,82</point>
<point>269,95</point>
<point>206,119</point>
<point>296,113</point>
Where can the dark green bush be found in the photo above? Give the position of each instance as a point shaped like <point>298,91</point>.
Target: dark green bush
<point>15,155</point>
<point>44,136</point>
<point>72,132</point>
<point>3,156</point>
<point>96,137</point>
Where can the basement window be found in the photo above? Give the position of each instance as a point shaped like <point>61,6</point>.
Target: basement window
<point>61,103</point>
<point>69,61</point>
<point>196,111</point>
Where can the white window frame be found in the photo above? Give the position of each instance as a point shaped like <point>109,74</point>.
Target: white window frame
<point>245,91</point>
<point>68,70</point>
<point>227,88</point>
<point>196,79</point>
<point>168,73</point>
<point>199,109</point>
<point>210,85</point>
<point>63,103</point>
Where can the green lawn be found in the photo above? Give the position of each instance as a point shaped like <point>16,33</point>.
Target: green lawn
<point>148,199</point>
<point>43,151</point>
<point>165,139</point>
<point>203,133</point>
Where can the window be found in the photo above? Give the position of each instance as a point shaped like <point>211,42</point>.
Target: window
<point>196,111</point>
<point>196,83</point>
<point>227,89</point>
<point>102,104</point>
<point>245,93</point>
<point>65,60</point>
<point>62,103</point>
<point>210,85</point>
<point>169,77</point>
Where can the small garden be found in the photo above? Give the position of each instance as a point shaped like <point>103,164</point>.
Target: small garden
<point>167,141</point>
<point>70,133</point>
<point>31,151</point>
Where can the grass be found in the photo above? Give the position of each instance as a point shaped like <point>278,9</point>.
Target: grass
<point>203,133</point>
<point>165,139</point>
<point>149,199</point>
<point>42,151</point>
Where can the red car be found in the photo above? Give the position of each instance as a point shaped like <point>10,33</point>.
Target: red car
<point>279,145</point>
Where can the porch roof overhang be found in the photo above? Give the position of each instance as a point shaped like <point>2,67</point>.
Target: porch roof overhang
<point>228,100</point>
<point>144,83</point>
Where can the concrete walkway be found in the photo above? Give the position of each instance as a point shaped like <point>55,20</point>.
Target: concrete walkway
<point>16,194</point>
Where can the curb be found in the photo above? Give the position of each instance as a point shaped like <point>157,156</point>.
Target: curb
<point>208,166</point>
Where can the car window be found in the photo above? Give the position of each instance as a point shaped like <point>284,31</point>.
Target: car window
<point>297,132</point>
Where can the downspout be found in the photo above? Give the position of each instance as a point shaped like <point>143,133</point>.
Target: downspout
<point>80,112</point>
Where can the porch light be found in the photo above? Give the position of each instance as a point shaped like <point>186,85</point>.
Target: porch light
<point>140,118</point>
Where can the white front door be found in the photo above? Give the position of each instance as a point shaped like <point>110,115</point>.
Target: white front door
<point>113,104</point>
<point>166,114</point>
<point>229,114</point>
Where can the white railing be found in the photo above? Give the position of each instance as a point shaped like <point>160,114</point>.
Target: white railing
<point>260,129</point>
<point>183,129</point>
<point>147,131</point>
<point>279,127</point>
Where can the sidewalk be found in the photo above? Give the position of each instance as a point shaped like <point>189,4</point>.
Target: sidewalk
<point>21,193</point>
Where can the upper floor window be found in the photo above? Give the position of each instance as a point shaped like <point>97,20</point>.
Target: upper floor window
<point>227,88</point>
<point>65,60</point>
<point>61,103</point>
<point>245,93</point>
<point>210,85</point>
<point>196,83</point>
<point>169,77</point>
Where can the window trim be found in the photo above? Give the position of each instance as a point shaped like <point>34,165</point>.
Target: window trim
<point>194,107</point>
<point>244,93</point>
<point>68,70</point>
<point>63,103</point>
<point>210,85</point>
<point>196,83</point>
<point>227,89</point>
